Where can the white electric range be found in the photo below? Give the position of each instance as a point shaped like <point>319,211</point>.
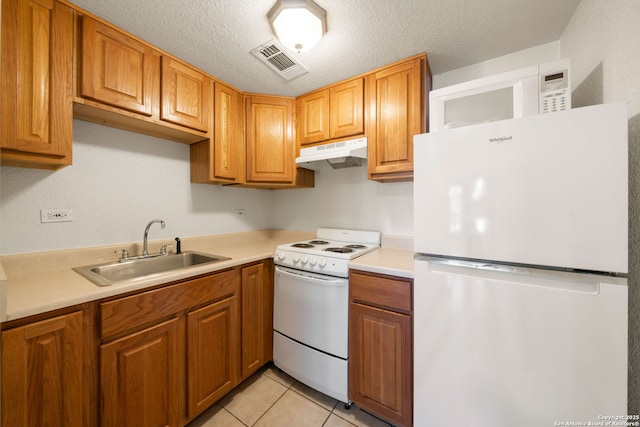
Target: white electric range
<point>311,307</point>
<point>329,253</point>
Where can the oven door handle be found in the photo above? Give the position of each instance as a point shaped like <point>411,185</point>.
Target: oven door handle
<point>314,278</point>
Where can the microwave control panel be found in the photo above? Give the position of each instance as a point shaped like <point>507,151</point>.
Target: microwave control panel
<point>555,91</point>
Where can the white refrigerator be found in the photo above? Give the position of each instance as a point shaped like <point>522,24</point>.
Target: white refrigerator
<point>520,289</point>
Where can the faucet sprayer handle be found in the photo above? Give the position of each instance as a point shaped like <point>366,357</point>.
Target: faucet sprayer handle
<point>124,254</point>
<point>178,249</point>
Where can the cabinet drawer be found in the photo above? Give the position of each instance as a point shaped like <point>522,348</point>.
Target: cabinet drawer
<point>127,313</point>
<point>381,291</point>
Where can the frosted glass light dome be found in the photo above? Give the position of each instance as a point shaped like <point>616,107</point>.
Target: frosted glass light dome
<point>298,24</point>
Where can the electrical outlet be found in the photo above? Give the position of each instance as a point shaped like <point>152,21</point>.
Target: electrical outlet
<point>56,215</point>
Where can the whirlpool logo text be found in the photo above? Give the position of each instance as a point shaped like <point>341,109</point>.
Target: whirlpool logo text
<point>501,139</point>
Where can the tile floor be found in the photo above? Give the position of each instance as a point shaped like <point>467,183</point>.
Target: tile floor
<point>272,398</point>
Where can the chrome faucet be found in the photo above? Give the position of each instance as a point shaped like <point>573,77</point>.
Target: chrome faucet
<point>145,251</point>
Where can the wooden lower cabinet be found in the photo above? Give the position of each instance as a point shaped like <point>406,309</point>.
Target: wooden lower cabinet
<point>212,354</point>
<point>381,346</point>
<point>140,378</point>
<point>42,373</point>
<point>158,357</point>
<point>257,317</point>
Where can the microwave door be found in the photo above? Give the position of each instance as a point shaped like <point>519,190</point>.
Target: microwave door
<point>479,108</point>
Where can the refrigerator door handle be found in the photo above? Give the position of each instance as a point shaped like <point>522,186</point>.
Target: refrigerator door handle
<point>557,280</point>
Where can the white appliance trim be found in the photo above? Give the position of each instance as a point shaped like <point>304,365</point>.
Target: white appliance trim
<point>334,150</point>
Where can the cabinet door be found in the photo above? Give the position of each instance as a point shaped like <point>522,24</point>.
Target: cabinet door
<point>186,95</point>
<point>220,160</point>
<point>270,143</point>
<point>42,373</point>
<point>228,142</point>
<point>36,103</point>
<point>313,117</point>
<point>397,113</point>
<point>117,69</point>
<point>257,318</point>
<point>212,353</point>
<point>140,378</point>
<point>380,352</point>
<point>347,109</point>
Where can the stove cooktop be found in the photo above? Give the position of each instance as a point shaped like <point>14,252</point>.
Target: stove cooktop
<point>329,248</point>
<point>329,253</point>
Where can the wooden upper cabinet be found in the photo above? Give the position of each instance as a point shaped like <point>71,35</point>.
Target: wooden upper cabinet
<point>118,70</point>
<point>36,109</point>
<point>42,372</point>
<point>220,160</point>
<point>186,95</point>
<point>397,111</point>
<point>313,117</point>
<point>331,113</point>
<point>270,143</point>
<point>346,101</point>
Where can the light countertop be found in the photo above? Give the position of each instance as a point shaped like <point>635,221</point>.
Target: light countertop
<point>391,261</point>
<point>41,282</point>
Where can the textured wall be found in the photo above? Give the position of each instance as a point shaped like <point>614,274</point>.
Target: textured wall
<point>345,198</point>
<point>603,41</point>
<point>118,182</point>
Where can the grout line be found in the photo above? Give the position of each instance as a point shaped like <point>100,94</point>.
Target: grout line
<point>263,373</point>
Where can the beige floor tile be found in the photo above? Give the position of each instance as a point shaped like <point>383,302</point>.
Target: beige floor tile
<point>358,417</point>
<point>293,410</point>
<point>216,416</point>
<point>274,373</point>
<point>319,398</point>
<point>252,398</point>
<point>335,421</point>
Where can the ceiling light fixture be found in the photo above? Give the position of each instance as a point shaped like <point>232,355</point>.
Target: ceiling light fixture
<point>298,24</point>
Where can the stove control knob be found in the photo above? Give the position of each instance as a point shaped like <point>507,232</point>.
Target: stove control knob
<point>323,263</point>
<point>313,261</point>
<point>296,259</point>
<point>281,255</point>
<point>304,260</point>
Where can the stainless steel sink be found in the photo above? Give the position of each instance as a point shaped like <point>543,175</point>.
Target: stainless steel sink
<point>118,271</point>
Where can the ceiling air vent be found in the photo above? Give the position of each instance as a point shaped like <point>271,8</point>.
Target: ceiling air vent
<point>279,60</point>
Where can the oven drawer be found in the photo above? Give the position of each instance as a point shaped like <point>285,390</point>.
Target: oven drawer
<point>312,309</point>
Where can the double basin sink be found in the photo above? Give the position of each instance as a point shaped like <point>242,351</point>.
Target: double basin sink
<point>115,272</point>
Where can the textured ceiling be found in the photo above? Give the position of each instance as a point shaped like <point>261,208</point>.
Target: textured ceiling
<point>218,35</point>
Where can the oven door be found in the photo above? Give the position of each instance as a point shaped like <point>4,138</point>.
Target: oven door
<point>312,309</point>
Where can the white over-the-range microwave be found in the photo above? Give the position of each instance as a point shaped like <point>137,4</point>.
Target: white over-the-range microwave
<point>533,90</point>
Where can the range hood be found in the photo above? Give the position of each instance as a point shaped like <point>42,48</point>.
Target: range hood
<point>342,154</point>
